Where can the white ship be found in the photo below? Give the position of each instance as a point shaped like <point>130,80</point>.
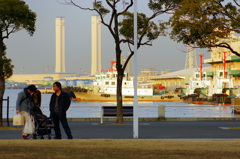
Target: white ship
<point>213,86</point>
<point>106,82</point>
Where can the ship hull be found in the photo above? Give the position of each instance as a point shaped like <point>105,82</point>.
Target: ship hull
<point>88,97</point>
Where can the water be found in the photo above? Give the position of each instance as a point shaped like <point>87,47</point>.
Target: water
<point>146,109</point>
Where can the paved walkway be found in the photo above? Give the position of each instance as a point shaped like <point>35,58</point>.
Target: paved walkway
<point>148,130</point>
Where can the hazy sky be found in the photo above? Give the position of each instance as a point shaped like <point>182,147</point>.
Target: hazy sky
<point>37,53</point>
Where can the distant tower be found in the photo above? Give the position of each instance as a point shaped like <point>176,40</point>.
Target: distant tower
<point>191,60</point>
<point>60,45</point>
<point>96,45</point>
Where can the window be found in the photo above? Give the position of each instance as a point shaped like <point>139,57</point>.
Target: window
<point>113,83</point>
<point>107,83</point>
<point>220,74</point>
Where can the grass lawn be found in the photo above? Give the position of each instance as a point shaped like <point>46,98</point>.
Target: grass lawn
<point>120,149</point>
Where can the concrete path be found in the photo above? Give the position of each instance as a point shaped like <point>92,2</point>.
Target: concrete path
<point>147,130</point>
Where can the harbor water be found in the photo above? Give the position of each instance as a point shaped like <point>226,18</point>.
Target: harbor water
<point>146,109</point>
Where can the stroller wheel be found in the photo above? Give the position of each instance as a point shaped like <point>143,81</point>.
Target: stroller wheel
<point>41,137</point>
<point>49,137</point>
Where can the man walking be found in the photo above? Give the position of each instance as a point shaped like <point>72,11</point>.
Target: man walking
<point>59,104</point>
<point>24,103</point>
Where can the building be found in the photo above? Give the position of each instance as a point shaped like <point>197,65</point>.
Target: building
<point>177,79</point>
<point>60,45</point>
<point>96,46</point>
<point>225,64</point>
<point>31,78</point>
<point>224,70</point>
<point>67,79</point>
<point>147,74</point>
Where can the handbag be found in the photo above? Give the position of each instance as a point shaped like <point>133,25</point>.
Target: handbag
<point>29,127</point>
<point>18,120</point>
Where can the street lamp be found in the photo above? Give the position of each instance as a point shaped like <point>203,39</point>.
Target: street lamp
<point>135,102</point>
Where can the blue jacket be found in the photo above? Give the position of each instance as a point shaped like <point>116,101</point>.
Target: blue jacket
<point>24,101</point>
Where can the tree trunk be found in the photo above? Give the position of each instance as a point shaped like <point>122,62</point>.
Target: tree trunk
<point>2,82</point>
<point>119,119</point>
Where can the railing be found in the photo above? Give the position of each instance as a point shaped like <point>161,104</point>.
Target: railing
<point>201,111</point>
<point>153,111</point>
<point>146,111</point>
<point>7,109</point>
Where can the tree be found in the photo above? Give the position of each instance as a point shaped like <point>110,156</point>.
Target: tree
<point>120,26</point>
<point>14,16</point>
<point>204,23</point>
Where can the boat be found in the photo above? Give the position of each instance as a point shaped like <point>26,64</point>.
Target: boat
<point>104,88</point>
<point>219,90</point>
<point>92,97</point>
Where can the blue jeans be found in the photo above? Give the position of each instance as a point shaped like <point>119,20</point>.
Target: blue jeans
<point>63,120</point>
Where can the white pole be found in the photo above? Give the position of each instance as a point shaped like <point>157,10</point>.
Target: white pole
<point>135,103</point>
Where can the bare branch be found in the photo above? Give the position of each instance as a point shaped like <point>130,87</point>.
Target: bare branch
<point>129,46</point>
<point>127,8</point>
<point>226,13</point>
<point>226,45</point>
<point>9,32</point>
<point>71,2</point>
<point>155,14</point>
<point>6,26</point>
<point>108,2</point>
<point>145,43</point>
<point>76,5</point>
<point>236,3</point>
<point>111,19</point>
<point>128,59</point>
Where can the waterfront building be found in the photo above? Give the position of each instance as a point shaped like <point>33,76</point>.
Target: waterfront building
<point>64,78</point>
<point>177,79</point>
<point>146,75</point>
<point>225,64</point>
<point>223,72</point>
<point>31,78</point>
<point>60,45</point>
<point>96,66</point>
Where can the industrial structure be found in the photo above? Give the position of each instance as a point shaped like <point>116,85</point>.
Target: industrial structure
<point>191,61</point>
<point>60,45</point>
<point>96,45</point>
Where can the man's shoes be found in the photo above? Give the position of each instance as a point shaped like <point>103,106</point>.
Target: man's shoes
<point>59,138</point>
<point>24,137</point>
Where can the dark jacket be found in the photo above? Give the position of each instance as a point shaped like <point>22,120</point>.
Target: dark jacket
<point>63,104</point>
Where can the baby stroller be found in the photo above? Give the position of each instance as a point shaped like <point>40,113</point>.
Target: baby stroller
<point>43,124</point>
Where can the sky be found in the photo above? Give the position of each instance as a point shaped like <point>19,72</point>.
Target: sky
<point>36,54</point>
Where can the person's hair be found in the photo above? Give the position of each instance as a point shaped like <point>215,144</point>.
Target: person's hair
<point>37,95</point>
<point>32,88</point>
<point>58,84</point>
